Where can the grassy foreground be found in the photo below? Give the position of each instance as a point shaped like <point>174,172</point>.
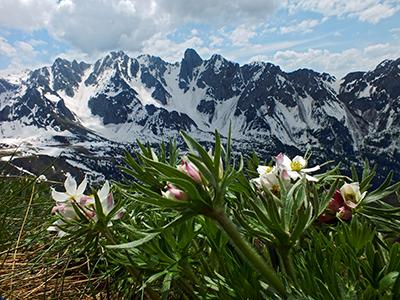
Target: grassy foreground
<point>204,225</point>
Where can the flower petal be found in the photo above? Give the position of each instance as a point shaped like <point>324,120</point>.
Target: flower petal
<point>104,191</point>
<point>119,214</point>
<point>350,204</point>
<point>193,172</point>
<point>293,174</point>
<point>81,187</point>
<point>70,185</point>
<point>108,204</point>
<point>266,169</point>
<point>86,200</point>
<point>310,178</point>
<point>300,160</point>
<point>309,170</point>
<point>58,196</point>
<point>285,178</point>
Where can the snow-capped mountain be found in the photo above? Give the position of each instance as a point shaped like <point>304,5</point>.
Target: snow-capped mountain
<point>110,104</point>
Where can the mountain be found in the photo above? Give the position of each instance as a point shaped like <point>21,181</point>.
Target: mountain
<point>87,112</point>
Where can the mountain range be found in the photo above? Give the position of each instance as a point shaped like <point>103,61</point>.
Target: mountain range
<point>85,114</point>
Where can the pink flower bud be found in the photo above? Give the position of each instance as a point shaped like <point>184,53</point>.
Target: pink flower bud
<point>192,171</point>
<point>344,213</point>
<point>336,201</point>
<point>175,194</point>
<point>326,217</point>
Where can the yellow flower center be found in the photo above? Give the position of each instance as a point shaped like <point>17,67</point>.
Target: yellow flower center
<point>268,170</point>
<point>276,190</point>
<point>296,166</point>
<point>350,197</point>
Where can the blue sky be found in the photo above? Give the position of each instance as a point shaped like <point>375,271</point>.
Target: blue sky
<point>333,36</point>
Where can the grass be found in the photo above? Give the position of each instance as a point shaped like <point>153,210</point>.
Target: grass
<point>31,263</point>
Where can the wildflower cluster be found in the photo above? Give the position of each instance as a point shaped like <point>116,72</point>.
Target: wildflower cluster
<point>73,205</point>
<point>285,171</point>
<point>344,201</point>
<point>210,221</point>
<point>187,167</point>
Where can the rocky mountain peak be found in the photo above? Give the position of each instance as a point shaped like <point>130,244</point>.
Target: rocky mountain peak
<point>123,98</point>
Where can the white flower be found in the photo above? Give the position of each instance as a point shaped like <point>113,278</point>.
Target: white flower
<point>270,181</point>
<point>107,201</point>
<point>296,168</point>
<point>351,194</point>
<point>68,212</point>
<point>264,170</point>
<point>86,204</point>
<point>72,192</point>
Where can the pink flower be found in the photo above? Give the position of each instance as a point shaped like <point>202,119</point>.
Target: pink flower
<point>326,217</point>
<point>336,201</point>
<point>175,194</point>
<point>344,213</point>
<point>190,169</point>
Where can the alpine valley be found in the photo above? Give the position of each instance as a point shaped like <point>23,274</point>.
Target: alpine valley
<point>87,114</point>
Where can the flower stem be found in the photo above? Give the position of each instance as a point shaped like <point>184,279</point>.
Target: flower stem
<point>249,253</point>
<point>287,263</point>
<point>131,268</point>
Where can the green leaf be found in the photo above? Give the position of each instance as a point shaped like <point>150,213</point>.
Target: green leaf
<point>217,154</point>
<point>354,174</point>
<point>156,199</point>
<point>134,244</point>
<point>394,258</point>
<point>386,282</point>
<point>206,159</point>
<point>166,286</point>
<point>304,216</point>
<point>327,295</point>
<point>381,192</point>
<point>396,288</point>
<point>327,198</point>
<point>169,171</point>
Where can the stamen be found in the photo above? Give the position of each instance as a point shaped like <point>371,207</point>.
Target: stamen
<point>296,166</point>
<point>268,170</point>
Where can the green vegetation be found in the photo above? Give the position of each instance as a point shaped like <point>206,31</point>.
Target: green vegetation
<point>205,225</point>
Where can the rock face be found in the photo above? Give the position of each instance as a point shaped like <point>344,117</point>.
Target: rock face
<point>120,99</point>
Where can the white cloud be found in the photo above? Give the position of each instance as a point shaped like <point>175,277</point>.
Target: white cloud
<point>22,56</point>
<point>6,49</point>
<point>379,50</point>
<point>371,11</point>
<point>97,26</point>
<point>26,50</point>
<point>216,41</point>
<point>258,58</point>
<point>303,27</point>
<point>337,64</point>
<point>375,13</point>
<point>26,15</point>
<point>171,51</point>
<point>240,36</point>
<point>34,42</point>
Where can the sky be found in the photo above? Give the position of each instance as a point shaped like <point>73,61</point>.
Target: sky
<point>333,36</point>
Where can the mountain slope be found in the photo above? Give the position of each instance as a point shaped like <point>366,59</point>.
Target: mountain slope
<point>120,99</point>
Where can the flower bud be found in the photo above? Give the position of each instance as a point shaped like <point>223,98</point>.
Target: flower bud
<point>175,194</point>
<point>336,201</point>
<point>190,169</point>
<point>344,213</point>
